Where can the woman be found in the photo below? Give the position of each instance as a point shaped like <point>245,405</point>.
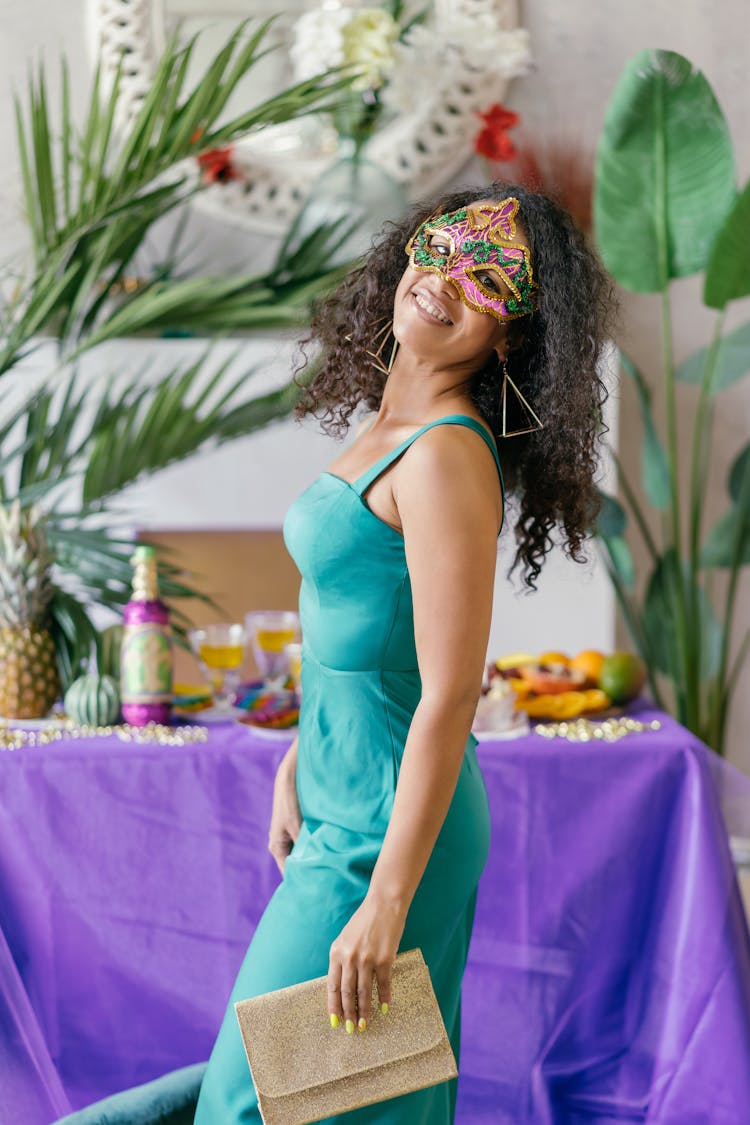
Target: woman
<point>380,821</point>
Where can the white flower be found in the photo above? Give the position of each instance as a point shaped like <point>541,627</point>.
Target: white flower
<point>490,48</point>
<point>369,39</point>
<point>317,43</point>
<point>418,72</point>
<point>426,62</point>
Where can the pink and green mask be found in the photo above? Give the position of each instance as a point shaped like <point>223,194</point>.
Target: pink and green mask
<point>475,249</point>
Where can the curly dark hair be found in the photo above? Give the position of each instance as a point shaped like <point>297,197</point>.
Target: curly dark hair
<point>553,360</point>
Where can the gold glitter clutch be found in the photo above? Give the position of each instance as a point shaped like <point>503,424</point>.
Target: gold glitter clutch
<point>305,1070</point>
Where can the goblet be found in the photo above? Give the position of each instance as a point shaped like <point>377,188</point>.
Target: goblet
<point>270,630</point>
<point>221,650</point>
<point>294,665</point>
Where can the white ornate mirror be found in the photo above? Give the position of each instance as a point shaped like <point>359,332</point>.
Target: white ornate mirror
<point>421,148</point>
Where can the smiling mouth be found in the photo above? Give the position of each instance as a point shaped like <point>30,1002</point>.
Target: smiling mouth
<point>431,310</point>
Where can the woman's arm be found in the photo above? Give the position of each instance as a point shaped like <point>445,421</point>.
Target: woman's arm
<point>286,820</point>
<point>449,502</point>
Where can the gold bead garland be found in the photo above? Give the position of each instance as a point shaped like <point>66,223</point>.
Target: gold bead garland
<point>584,730</point>
<point>16,738</point>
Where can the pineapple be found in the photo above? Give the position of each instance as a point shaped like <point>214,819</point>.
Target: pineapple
<point>29,678</point>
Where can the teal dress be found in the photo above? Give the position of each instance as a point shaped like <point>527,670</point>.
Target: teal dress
<point>360,687</point>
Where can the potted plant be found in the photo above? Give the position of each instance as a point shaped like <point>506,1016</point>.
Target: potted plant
<point>90,203</point>
<point>666,206</point>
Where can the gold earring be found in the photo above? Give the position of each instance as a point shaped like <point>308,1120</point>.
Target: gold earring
<point>377,357</point>
<point>526,409</point>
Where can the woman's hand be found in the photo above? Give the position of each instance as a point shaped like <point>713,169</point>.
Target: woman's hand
<point>286,819</point>
<point>367,945</point>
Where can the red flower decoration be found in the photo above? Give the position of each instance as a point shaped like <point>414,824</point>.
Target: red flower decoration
<point>493,141</point>
<point>216,164</point>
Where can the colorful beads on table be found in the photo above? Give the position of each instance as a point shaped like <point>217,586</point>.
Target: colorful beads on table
<point>17,738</point>
<point>585,730</point>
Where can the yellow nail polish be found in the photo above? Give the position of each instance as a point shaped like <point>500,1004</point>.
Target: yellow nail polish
<point>384,1008</point>
<point>362,1023</point>
<point>334,1020</point>
<point>350,1027</point>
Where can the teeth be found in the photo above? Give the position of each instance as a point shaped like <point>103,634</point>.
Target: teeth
<point>431,309</point>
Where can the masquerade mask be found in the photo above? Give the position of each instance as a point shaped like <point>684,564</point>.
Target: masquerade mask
<point>474,248</point>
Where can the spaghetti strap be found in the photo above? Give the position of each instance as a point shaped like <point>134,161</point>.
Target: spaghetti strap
<point>363,482</point>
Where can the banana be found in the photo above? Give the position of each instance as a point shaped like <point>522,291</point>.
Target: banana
<point>514,660</point>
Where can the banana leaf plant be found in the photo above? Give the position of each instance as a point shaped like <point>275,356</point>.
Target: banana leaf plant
<point>666,206</point>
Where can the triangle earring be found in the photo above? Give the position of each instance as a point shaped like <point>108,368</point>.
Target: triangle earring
<point>377,356</point>
<point>531,418</point>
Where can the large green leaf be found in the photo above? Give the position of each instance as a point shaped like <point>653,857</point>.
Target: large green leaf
<point>732,361</point>
<point>612,518</point>
<point>728,273</point>
<point>654,464</point>
<point>621,559</point>
<point>664,173</point>
<point>719,548</point>
<point>738,473</point>
<point>660,625</point>
<point>728,542</point>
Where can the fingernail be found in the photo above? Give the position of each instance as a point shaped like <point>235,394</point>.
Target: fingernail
<point>334,1020</point>
<point>384,1008</point>
<point>362,1023</point>
<point>350,1027</point>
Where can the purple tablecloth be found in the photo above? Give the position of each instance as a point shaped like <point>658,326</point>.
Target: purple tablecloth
<point>609,974</point>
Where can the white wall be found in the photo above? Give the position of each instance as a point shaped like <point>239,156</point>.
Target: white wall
<point>580,49</point>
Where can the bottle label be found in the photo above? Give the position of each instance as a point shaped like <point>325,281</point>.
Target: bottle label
<point>146,669</point>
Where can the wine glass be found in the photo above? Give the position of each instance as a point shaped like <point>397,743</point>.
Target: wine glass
<point>221,650</point>
<point>270,630</point>
<point>294,665</point>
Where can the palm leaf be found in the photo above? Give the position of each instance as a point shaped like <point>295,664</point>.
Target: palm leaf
<point>151,427</point>
<point>73,633</point>
<point>81,242</point>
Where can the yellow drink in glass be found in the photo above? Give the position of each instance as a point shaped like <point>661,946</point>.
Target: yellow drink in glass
<point>270,631</point>
<point>294,665</point>
<point>221,656</point>
<point>274,640</point>
<point>221,650</point>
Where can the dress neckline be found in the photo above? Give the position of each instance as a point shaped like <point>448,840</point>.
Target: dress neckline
<point>406,441</point>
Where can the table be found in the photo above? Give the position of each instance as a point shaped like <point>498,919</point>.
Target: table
<point>609,973</point>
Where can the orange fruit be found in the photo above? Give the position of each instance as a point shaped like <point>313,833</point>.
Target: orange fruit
<point>590,663</point>
<point>554,658</point>
<point>622,676</point>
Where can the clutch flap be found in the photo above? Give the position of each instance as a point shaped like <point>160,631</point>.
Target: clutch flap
<point>291,1046</point>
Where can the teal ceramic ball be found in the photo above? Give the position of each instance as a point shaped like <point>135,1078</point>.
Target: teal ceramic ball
<point>93,701</point>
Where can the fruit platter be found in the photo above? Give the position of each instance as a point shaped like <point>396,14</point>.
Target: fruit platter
<point>555,686</point>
